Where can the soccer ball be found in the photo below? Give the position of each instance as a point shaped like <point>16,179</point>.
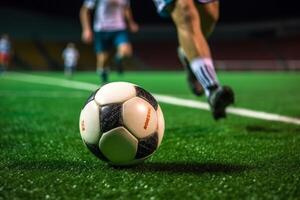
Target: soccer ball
<point>122,124</point>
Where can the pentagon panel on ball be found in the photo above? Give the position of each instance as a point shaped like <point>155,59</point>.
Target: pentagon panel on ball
<point>122,124</point>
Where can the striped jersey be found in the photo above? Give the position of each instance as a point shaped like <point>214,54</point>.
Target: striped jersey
<point>109,14</point>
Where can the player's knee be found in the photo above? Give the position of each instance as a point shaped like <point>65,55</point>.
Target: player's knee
<point>185,14</point>
<point>125,50</point>
<point>102,60</point>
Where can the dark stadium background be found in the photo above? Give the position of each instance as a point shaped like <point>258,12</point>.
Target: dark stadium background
<point>232,11</point>
<point>251,35</point>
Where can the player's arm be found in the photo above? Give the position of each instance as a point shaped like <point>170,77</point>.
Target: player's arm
<point>85,20</point>
<point>132,25</point>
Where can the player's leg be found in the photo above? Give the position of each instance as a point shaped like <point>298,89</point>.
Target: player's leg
<point>209,13</point>
<point>102,42</point>
<point>124,53</point>
<point>192,40</point>
<point>223,96</point>
<point>103,65</point>
<point>210,16</point>
<point>67,68</point>
<point>193,83</point>
<point>187,20</point>
<point>67,72</point>
<point>124,50</point>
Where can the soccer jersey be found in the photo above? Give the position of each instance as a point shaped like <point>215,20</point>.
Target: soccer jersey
<point>70,56</point>
<point>4,46</point>
<point>109,14</point>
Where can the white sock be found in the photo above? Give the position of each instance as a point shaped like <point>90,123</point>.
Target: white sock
<point>204,71</point>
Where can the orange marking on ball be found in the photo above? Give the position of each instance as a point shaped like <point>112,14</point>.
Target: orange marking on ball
<point>147,118</point>
<point>82,125</point>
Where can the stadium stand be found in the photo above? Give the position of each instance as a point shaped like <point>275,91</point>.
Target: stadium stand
<point>260,46</point>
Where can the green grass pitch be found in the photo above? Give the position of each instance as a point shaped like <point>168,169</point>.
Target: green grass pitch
<point>42,155</point>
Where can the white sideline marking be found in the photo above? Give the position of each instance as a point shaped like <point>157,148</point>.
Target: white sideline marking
<point>236,111</point>
<point>42,94</point>
<point>50,81</point>
<point>161,98</point>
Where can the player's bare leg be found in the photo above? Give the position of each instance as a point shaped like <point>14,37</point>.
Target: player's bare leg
<point>68,72</point>
<point>193,42</point>
<point>194,84</point>
<point>209,13</point>
<point>124,53</point>
<point>102,66</point>
<point>210,16</point>
<point>187,20</point>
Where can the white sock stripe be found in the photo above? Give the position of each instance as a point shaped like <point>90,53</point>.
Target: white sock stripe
<point>236,111</point>
<point>204,71</point>
<point>211,79</point>
<point>209,66</point>
<point>206,76</point>
<point>211,70</point>
<point>200,78</point>
<point>211,75</point>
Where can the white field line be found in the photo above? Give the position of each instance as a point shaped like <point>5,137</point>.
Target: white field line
<point>236,111</point>
<point>161,98</point>
<point>50,81</point>
<point>42,94</point>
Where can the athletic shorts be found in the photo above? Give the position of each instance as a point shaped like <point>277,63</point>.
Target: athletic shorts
<point>162,5</point>
<point>106,40</point>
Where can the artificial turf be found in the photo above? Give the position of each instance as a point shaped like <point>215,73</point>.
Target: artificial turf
<point>42,155</point>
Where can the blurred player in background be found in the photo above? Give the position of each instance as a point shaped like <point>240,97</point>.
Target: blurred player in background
<point>5,52</point>
<point>195,20</point>
<point>111,20</point>
<point>70,56</point>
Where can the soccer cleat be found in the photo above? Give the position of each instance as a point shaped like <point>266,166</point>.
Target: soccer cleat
<point>219,100</point>
<point>194,84</point>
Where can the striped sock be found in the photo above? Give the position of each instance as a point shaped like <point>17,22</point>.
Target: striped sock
<point>204,71</point>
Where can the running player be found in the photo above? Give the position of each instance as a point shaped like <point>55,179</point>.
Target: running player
<point>195,20</point>
<point>5,50</point>
<point>111,20</point>
<point>70,56</point>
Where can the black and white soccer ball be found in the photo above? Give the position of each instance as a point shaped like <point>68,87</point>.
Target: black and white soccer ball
<point>122,124</point>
